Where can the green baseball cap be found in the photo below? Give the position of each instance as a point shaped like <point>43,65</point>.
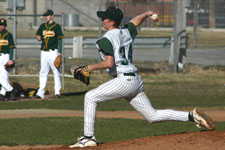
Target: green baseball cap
<point>3,22</point>
<point>112,13</point>
<point>49,12</point>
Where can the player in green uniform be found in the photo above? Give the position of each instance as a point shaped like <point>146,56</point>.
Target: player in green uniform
<point>50,33</point>
<point>6,60</point>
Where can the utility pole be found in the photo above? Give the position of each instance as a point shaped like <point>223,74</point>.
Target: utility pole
<point>212,23</point>
<point>35,12</point>
<point>99,20</point>
<point>14,33</point>
<point>195,27</point>
<point>175,36</point>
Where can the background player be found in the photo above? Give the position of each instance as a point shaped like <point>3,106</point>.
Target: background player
<point>115,48</point>
<point>50,33</point>
<point>6,60</point>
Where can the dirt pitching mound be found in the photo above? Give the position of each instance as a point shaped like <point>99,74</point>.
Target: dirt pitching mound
<point>206,140</point>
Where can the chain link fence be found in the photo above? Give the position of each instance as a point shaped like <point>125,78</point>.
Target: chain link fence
<point>83,13</point>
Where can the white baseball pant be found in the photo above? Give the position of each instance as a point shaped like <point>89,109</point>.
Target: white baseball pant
<point>47,62</point>
<point>4,75</point>
<point>131,88</point>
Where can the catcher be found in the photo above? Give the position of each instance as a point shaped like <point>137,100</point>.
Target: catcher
<point>116,49</point>
<point>50,33</point>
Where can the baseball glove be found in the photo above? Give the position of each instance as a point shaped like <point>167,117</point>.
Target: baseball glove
<point>83,74</point>
<point>58,61</point>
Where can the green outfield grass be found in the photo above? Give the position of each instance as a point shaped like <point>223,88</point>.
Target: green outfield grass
<point>65,130</point>
<point>201,87</point>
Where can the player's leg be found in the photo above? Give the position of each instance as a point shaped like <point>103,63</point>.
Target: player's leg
<point>56,71</point>
<point>121,86</point>
<point>2,91</point>
<point>115,88</point>
<point>43,77</point>
<point>142,104</point>
<point>107,91</point>
<point>4,76</point>
<point>4,81</point>
<point>2,97</point>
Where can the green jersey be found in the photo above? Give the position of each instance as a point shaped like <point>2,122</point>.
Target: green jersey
<point>50,34</point>
<point>6,42</point>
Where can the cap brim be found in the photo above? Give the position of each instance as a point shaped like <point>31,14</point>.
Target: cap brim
<point>2,24</point>
<point>101,14</point>
<point>46,14</point>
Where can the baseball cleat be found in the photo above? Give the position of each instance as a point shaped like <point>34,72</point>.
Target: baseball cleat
<point>84,142</point>
<point>202,120</point>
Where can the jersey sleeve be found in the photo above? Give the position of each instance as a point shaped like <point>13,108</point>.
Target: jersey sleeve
<point>39,31</point>
<point>105,46</point>
<point>132,29</point>
<point>11,41</point>
<point>11,53</point>
<point>59,33</point>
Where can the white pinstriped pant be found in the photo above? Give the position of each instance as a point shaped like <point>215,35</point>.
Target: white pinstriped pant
<point>4,75</point>
<point>47,62</point>
<point>131,88</point>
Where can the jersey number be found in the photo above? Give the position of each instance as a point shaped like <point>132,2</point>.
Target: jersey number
<point>123,54</point>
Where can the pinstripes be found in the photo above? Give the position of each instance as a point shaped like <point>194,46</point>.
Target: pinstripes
<point>113,89</point>
<point>131,88</point>
<point>128,87</point>
<point>142,104</point>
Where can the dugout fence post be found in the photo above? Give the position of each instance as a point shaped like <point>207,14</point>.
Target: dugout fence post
<point>175,37</point>
<point>14,34</point>
<point>63,62</point>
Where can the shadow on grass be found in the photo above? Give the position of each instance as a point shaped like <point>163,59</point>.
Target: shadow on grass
<point>73,93</point>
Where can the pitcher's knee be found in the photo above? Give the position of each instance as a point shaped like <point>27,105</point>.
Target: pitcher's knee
<point>152,117</point>
<point>88,96</point>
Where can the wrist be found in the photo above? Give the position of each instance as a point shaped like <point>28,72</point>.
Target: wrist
<point>89,68</point>
<point>149,13</point>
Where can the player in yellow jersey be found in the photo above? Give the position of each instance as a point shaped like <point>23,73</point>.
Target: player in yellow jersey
<point>50,34</point>
<point>6,60</point>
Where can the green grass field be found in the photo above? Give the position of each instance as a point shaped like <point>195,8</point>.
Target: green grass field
<point>202,87</point>
<point>65,130</point>
<point>199,87</point>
